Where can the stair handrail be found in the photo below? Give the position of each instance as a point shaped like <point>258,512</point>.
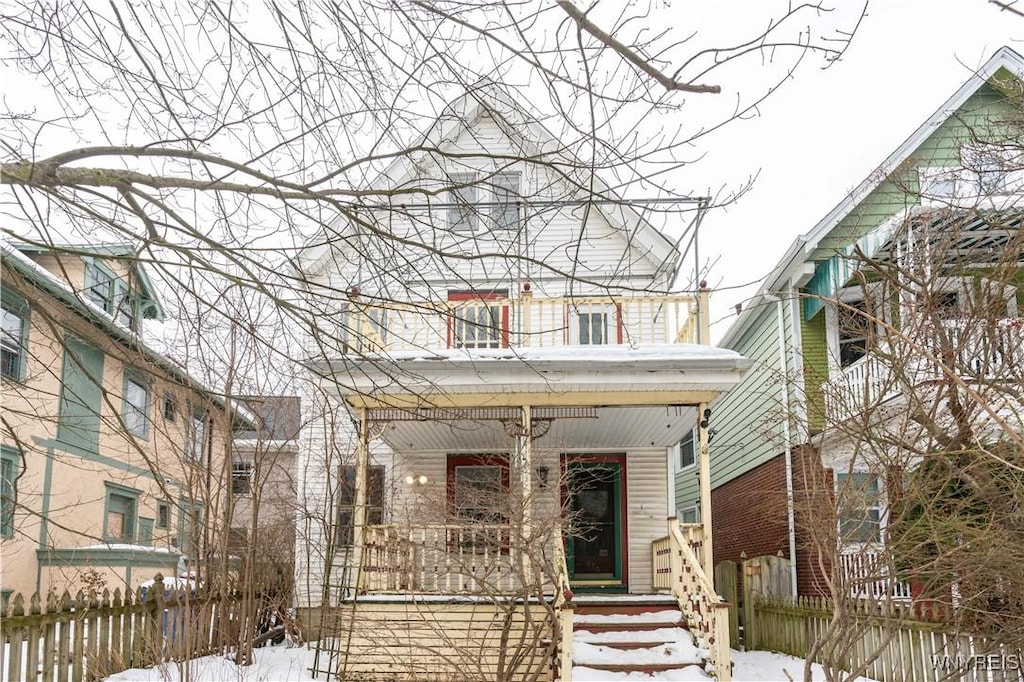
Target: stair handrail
<point>705,613</point>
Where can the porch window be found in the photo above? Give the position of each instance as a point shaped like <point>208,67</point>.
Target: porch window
<point>478,493</point>
<point>347,502</point>
<point>478,320</point>
<point>860,510</point>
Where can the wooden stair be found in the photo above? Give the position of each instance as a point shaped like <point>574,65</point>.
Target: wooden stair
<point>633,637</point>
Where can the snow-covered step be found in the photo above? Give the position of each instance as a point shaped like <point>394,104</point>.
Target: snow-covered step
<point>633,638</point>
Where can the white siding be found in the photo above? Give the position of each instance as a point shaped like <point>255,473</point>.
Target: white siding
<point>647,505</point>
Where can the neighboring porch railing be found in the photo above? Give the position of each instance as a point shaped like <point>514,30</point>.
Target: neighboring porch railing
<point>384,326</point>
<point>867,576</point>
<point>974,350</point>
<point>706,615</point>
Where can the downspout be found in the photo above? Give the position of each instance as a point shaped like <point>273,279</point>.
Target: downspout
<point>787,437</point>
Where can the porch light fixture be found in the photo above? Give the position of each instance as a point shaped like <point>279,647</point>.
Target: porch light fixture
<point>542,476</point>
<point>416,480</point>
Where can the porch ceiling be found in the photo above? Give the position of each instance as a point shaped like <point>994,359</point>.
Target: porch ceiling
<point>602,376</point>
<point>609,428</point>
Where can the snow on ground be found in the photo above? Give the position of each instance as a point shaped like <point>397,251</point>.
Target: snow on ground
<point>291,664</point>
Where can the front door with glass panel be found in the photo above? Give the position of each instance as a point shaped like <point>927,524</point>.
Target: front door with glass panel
<point>595,501</point>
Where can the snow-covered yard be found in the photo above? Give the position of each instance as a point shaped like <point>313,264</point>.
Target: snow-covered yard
<point>292,664</point>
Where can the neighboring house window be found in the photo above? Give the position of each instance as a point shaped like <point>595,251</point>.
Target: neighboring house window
<point>111,293</point>
<point>241,477</point>
<point>854,331</point>
<point>462,214</point>
<point>10,467</point>
<point>190,526</point>
<point>14,339</point>
<point>170,408</point>
<point>478,487</point>
<point>195,442</point>
<point>163,514</point>
<point>505,213</point>
<point>687,451</point>
<point>690,514</point>
<point>478,320</point>
<point>81,396</point>
<point>990,167</point>
<point>238,538</point>
<point>120,513</point>
<point>347,501</point>
<point>145,531</point>
<point>938,185</point>
<point>859,507</point>
<point>135,406</point>
<point>593,325</point>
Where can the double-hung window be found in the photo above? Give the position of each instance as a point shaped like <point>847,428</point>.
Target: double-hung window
<point>687,451</point>
<point>505,210</point>
<point>347,502</point>
<point>860,510</point>
<point>111,293</point>
<point>197,434</point>
<point>10,467</point>
<point>135,406</point>
<point>13,341</point>
<point>462,212</point>
<point>241,477</point>
<point>593,324</point>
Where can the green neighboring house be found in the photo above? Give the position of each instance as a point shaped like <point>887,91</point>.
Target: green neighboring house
<point>780,434</point>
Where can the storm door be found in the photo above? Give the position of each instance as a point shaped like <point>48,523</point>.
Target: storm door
<point>594,500</point>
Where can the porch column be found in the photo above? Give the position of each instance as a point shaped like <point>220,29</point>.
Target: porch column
<point>526,474</point>
<point>704,463</point>
<point>359,511</point>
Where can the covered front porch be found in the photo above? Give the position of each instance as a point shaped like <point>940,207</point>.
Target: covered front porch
<point>527,476</point>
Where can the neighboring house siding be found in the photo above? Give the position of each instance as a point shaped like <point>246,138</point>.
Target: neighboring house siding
<point>815,368</point>
<point>747,419</point>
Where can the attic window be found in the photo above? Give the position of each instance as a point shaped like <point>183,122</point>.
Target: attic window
<point>462,214</point>
<point>505,212</point>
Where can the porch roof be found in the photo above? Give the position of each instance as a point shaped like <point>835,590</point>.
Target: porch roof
<point>669,374</point>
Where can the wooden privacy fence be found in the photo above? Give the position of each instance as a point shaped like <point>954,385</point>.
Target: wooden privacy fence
<point>91,636</point>
<point>899,644</point>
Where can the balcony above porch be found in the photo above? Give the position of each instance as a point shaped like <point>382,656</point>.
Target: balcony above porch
<point>964,349</point>
<point>484,321</point>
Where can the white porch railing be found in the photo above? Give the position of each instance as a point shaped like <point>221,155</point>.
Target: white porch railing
<point>379,326</point>
<point>439,559</point>
<point>975,352</point>
<point>866,575</point>
<point>705,614</point>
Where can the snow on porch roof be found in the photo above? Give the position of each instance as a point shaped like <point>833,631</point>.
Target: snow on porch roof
<point>659,372</point>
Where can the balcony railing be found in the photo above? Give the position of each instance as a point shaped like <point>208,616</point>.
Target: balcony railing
<point>376,326</point>
<point>973,351</point>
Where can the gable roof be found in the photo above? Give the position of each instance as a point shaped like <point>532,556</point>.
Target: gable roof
<point>490,99</point>
<point>152,308</point>
<point>60,290</point>
<point>799,252</point>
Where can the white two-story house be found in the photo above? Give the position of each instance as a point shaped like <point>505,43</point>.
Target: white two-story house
<point>501,381</point>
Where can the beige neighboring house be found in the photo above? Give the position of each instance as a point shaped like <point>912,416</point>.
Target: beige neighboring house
<point>263,488</point>
<point>112,454</point>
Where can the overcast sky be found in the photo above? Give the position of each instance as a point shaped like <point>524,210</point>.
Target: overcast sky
<point>827,130</point>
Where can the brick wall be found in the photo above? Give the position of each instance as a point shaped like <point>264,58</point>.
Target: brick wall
<point>749,515</point>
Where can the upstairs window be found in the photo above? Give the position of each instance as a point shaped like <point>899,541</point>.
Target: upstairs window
<point>110,293</point>
<point>478,320</point>
<point>462,214</point>
<point>135,406</point>
<point>10,467</point>
<point>854,331</point>
<point>241,477</point>
<point>14,338</point>
<point>505,212</point>
<point>196,436</point>
<point>593,324</point>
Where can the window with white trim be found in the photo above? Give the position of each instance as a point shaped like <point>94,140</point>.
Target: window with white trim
<point>241,477</point>
<point>462,213</point>
<point>690,514</point>
<point>860,507</point>
<point>687,451</point>
<point>135,406</point>
<point>505,212</point>
<point>196,436</point>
